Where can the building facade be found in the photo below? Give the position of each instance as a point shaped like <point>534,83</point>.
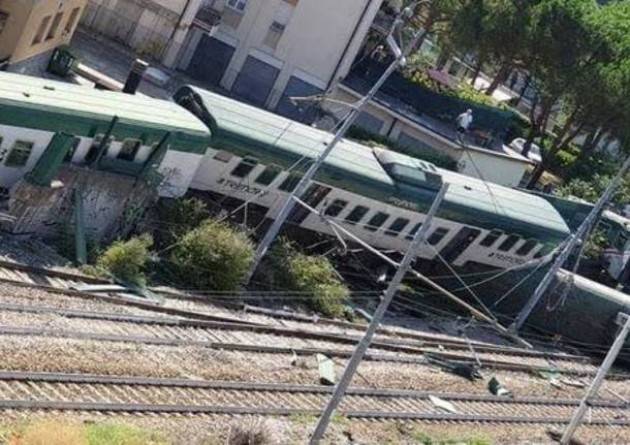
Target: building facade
<point>266,52</point>
<point>30,28</point>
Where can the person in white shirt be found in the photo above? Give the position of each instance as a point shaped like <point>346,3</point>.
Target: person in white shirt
<point>464,120</point>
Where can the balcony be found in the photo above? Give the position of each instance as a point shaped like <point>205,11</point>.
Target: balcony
<point>208,17</point>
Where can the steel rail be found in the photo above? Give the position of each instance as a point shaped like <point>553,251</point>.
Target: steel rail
<point>93,379</point>
<point>389,345</point>
<point>425,360</point>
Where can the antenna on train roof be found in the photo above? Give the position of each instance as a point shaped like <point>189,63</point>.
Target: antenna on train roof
<point>569,246</point>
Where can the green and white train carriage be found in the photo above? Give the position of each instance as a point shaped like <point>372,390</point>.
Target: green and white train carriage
<point>33,110</point>
<point>381,195</point>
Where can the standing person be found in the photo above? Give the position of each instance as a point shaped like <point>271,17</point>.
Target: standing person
<point>464,120</point>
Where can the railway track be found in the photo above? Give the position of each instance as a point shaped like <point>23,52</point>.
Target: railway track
<point>98,326</point>
<point>106,394</point>
<point>67,283</point>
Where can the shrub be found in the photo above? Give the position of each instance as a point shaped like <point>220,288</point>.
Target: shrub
<point>126,260</point>
<point>312,275</point>
<point>179,216</point>
<point>213,256</point>
<point>255,432</point>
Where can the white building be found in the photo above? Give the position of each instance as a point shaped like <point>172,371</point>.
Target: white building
<point>266,51</point>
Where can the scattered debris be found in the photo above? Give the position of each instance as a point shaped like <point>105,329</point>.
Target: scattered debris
<point>443,404</point>
<point>326,370</point>
<point>468,371</point>
<point>498,389</point>
<point>574,383</point>
<point>555,435</point>
<point>255,432</point>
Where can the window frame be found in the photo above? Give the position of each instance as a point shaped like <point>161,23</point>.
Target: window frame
<point>508,243</point>
<point>14,152</point>
<point>373,225</point>
<point>412,233</point>
<point>391,231</point>
<point>41,30</point>
<point>338,206</point>
<point>54,26</point>
<point>129,156</point>
<point>290,182</point>
<point>272,170</point>
<point>490,235</point>
<point>245,167</point>
<point>438,235</point>
<point>361,210</point>
<point>72,20</point>
<point>236,5</point>
<point>525,249</point>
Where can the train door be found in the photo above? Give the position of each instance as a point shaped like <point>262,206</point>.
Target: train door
<point>460,242</point>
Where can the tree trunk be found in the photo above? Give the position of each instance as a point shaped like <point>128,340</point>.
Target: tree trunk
<point>476,72</point>
<point>528,81</point>
<point>501,76</point>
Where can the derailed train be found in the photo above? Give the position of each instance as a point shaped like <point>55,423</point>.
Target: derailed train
<point>252,155</point>
<point>481,229</point>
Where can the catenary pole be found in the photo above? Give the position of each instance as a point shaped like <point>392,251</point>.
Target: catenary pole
<point>289,203</point>
<point>363,345</point>
<point>624,321</point>
<point>578,236</point>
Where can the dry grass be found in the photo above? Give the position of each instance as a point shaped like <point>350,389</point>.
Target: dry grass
<point>254,432</point>
<point>48,432</point>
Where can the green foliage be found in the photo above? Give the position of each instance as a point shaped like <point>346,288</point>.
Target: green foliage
<point>596,243</point>
<point>425,439</point>
<point>312,276</point>
<point>127,260</point>
<point>213,256</point>
<point>466,92</point>
<point>424,153</point>
<point>178,216</point>
<point>113,434</point>
<point>590,190</point>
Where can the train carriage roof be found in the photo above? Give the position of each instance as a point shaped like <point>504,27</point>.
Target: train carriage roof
<point>59,106</point>
<point>251,131</point>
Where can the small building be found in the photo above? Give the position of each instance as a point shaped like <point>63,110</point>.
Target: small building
<point>59,139</point>
<point>266,52</point>
<point>31,29</point>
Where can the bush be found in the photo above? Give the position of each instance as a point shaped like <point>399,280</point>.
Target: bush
<point>213,256</point>
<point>312,275</point>
<point>126,260</point>
<point>179,216</point>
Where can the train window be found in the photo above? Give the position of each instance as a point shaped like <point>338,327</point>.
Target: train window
<point>269,174</point>
<point>223,156</point>
<point>19,154</point>
<point>508,243</point>
<point>376,221</point>
<point>437,235</point>
<point>336,207</point>
<point>543,251</point>
<point>291,182</point>
<point>413,231</point>
<point>397,226</point>
<point>244,167</point>
<point>357,214</point>
<point>93,152</point>
<point>491,238</point>
<point>129,149</point>
<point>70,154</point>
<point>527,247</point>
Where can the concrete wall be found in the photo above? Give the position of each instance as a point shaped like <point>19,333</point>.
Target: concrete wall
<point>318,42</point>
<point>53,20</point>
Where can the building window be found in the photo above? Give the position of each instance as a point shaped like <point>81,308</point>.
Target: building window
<point>273,35</point>
<point>43,26</point>
<point>291,182</point>
<point>336,207</point>
<point>238,5</point>
<point>397,226</point>
<point>269,174</point>
<point>377,221</point>
<point>21,151</point>
<point>245,167</point>
<point>491,238</point>
<point>55,26</point>
<point>72,20</point>
<point>437,236</point>
<point>129,149</point>
<point>4,17</point>
<point>357,214</point>
<point>95,147</point>
<point>508,243</point>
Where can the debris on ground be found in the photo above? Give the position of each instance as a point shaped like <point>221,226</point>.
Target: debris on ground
<point>498,389</point>
<point>443,404</point>
<point>326,370</point>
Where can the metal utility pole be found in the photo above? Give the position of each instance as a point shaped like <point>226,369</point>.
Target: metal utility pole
<point>580,235</point>
<point>287,207</point>
<point>363,345</point>
<point>624,321</point>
